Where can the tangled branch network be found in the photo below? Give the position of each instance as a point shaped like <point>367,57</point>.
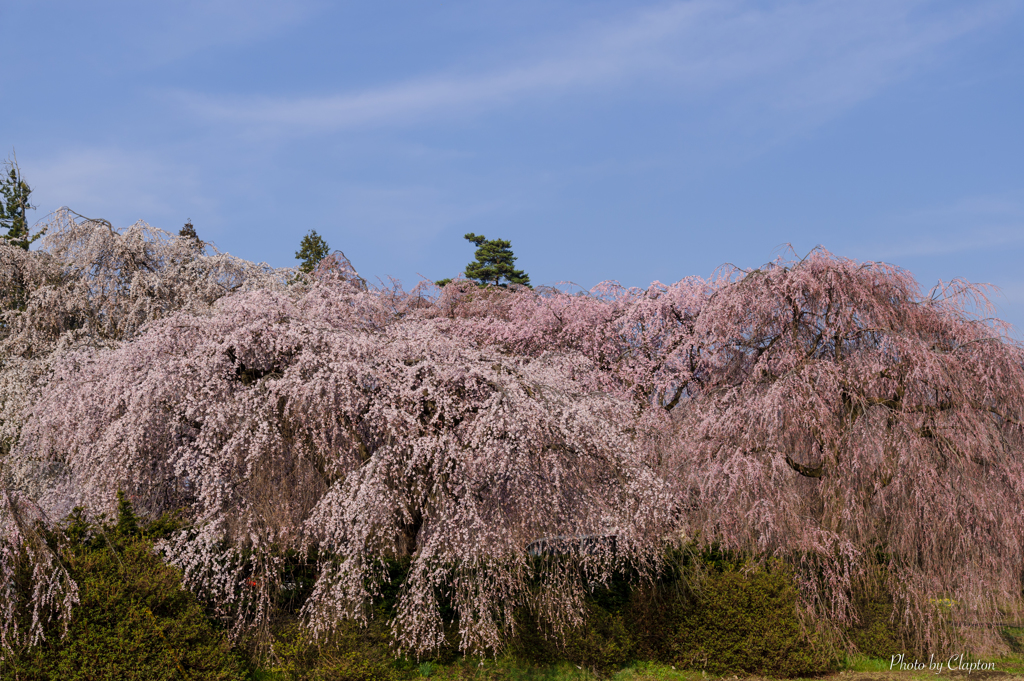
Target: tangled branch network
<point>821,411</point>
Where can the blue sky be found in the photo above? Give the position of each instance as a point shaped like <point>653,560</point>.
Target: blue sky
<point>607,140</point>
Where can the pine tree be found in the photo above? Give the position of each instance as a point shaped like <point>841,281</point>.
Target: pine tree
<point>312,249</point>
<point>14,206</point>
<point>494,263</point>
<point>189,232</point>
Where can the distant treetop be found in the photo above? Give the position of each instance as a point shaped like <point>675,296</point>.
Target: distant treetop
<point>14,206</point>
<point>494,264</point>
<point>312,249</point>
<point>189,232</point>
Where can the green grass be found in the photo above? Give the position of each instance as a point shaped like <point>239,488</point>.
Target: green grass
<point>264,675</point>
<point>863,663</point>
<point>1009,664</point>
<point>511,669</point>
<point>652,671</point>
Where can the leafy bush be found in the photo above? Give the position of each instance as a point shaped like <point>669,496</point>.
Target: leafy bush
<point>134,620</point>
<point>746,621</point>
<point>714,615</point>
<point>603,643</point>
<point>1014,638</point>
<point>351,653</point>
<point>720,615</point>
<point>874,635</point>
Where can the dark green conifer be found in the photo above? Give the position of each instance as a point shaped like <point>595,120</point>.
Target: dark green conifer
<point>494,264</point>
<point>312,249</point>
<point>14,206</point>
<point>189,232</point>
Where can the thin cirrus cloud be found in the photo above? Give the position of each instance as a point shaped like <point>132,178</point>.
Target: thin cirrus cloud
<point>408,215</point>
<point>116,185</point>
<point>972,224</point>
<point>191,27</point>
<point>980,239</point>
<point>815,58</point>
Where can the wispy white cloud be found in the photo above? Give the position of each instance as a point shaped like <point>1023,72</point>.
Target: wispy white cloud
<point>791,58</point>
<point>969,225</point>
<point>136,186</point>
<point>978,238</point>
<point>189,27</point>
<point>409,216</point>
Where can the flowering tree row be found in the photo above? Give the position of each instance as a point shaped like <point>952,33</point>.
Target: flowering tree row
<point>821,411</point>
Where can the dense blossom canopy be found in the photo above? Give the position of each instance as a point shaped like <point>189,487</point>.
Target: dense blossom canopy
<point>283,422</point>
<point>820,411</point>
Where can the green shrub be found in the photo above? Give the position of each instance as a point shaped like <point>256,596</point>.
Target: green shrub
<point>601,644</point>
<point>652,615</point>
<point>134,620</point>
<point>739,621</point>
<point>1014,639</point>
<point>728,621</point>
<point>353,652</point>
<point>874,635</point>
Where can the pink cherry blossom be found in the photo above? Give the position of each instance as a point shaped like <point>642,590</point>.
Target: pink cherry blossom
<point>821,411</point>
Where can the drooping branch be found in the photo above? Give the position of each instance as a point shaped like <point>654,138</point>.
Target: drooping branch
<point>806,471</point>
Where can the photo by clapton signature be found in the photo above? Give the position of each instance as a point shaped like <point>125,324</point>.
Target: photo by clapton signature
<point>954,663</point>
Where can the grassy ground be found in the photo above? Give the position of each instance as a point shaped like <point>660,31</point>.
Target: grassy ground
<point>858,668</point>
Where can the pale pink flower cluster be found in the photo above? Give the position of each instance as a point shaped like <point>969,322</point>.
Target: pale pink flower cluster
<point>23,548</point>
<point>822,412</point>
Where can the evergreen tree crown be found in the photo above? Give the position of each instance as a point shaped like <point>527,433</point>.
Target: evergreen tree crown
<point>494,263</point>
